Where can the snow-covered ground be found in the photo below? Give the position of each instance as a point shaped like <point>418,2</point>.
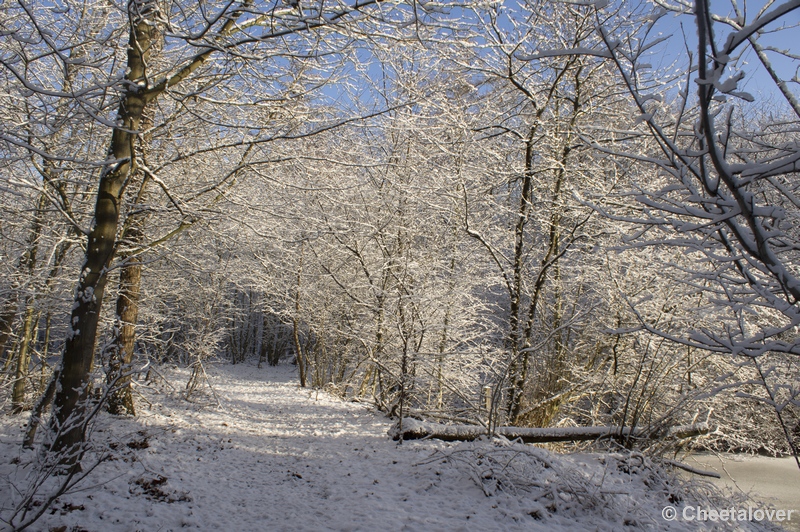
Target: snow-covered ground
<point>774,481</point>
<point>273,456</point>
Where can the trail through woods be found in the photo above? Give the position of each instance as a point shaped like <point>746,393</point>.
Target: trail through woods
<point>273,456</point>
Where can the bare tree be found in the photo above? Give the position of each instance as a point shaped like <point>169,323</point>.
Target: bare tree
<point>242,33</point>
<point>725,194</point>
<point>531,120</point>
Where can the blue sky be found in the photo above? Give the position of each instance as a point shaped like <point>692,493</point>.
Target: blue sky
<point>784,34</point>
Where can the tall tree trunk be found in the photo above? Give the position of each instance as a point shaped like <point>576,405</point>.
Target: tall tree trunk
<point>554,251</point>
<point>6,321</point>
<point>377,353</point>
<point>28,262</point>
<point>262,354</point>
<point>45,351</point>
<point>445,333</point>
<point>120,400</point>
<point>295,321</point>
<point>23,360</point>
<point>67,422</point>
<point>73,374</point>
<point>516,371</point>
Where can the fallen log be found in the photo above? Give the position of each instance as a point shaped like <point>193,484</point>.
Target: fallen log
<point>413,429</point>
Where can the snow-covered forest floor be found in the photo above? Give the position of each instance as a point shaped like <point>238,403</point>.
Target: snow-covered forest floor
<point>273,456</point>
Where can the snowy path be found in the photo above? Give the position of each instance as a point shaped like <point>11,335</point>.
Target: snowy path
<point>277,458</point>
<point>274,457</point>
